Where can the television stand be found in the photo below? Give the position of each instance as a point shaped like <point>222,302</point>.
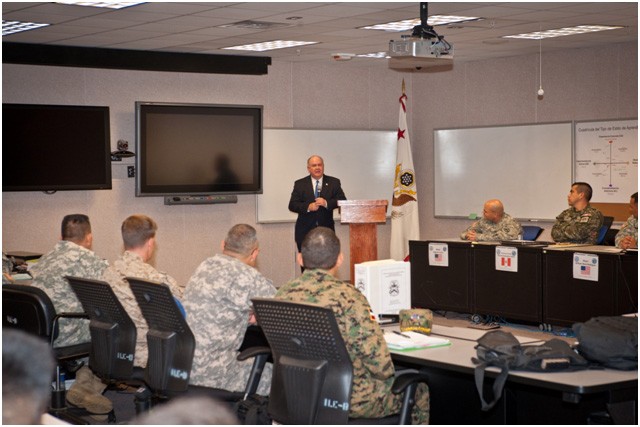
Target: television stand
<point>200,200</point>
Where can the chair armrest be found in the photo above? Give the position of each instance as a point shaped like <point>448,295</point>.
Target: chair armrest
<point>407,383</point>
<point>404,380</point>
<point>250,352</point>
<point>261,356</point>
<point>71,315</point>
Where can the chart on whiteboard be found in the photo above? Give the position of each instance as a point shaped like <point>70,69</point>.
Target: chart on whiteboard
<point>606,156</point>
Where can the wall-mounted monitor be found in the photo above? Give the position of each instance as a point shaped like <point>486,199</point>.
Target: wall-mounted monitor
<point>55,147</point>
<point>198,149</point>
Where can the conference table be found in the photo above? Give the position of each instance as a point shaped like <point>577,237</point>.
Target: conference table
<point>541,288</point>
<point>528,397</point>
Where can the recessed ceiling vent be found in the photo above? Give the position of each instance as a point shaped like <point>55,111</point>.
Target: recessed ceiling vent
<point>255,25</point>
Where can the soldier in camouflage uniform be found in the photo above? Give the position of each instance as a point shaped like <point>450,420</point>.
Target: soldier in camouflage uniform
<point>217,299</point>
<point>373,371</point>
<point>581,222</point>
<point>495,225</point>
<point>627,237</point>
<point>72,256</point>
<point>139,237</point>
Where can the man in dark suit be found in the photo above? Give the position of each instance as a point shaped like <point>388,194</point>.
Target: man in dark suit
<point>314,198</point>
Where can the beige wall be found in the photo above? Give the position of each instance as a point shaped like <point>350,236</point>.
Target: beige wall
<point>579,84</point>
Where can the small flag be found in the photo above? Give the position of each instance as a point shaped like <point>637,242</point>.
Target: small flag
<point>585,269</point>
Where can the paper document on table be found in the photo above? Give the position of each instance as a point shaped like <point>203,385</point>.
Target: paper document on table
<point>413,340</point>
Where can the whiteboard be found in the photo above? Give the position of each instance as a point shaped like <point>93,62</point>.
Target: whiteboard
<point>363,160</point>
<point>527,167</point>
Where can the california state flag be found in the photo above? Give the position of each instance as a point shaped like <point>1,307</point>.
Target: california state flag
<point>404,211</point>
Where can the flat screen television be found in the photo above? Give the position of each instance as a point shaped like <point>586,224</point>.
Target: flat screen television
<point>55,147</point>
<point>198,149</point>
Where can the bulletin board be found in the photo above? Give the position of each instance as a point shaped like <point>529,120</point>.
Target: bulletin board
<point>606,156</point>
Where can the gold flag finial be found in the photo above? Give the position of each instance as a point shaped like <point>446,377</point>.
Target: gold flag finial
<point>403,86</point>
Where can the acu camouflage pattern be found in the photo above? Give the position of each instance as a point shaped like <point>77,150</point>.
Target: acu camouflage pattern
<point>577,226</point>
<point>507,229</point>
<point>217,300</point>
<point>130,264</point>
<point>373,371</point>
<point>67,259</point>
<point>628,229</point>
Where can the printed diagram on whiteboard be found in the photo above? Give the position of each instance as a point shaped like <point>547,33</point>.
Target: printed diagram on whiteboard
<point>607,158</point>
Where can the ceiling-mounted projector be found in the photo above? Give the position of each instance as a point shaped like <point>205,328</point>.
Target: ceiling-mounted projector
<point>423,48</point>
<point>420,48</point>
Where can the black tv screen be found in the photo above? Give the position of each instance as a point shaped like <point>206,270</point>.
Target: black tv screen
<point>198,149</point>
<point>55,147</point>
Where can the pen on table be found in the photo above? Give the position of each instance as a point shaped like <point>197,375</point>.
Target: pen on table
<point>401,334</point>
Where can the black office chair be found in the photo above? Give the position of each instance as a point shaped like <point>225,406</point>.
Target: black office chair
<point>171,343</point>
<point>312,373</point>
<point>172,346</point>
<point>606,225</point>
<point>30,309</point>
<point>113,333</point>
<point>531,232</point>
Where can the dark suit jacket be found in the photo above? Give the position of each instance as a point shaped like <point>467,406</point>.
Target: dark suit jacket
<point>303,194</point>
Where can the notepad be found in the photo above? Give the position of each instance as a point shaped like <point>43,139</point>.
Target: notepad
<point>413,341</point>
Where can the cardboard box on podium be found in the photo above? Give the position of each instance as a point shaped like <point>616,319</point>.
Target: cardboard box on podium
<point>386,284</point>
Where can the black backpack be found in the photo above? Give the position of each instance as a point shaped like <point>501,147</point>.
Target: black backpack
<point>503,350</point>
<point>611,341</point>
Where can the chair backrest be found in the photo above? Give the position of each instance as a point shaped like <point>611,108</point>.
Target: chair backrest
<point>170,340</point>
<point>29,309</point>
<point>113,333</point>
<point>312,371</point>
<point>531,232</point>
<point>606,225</point>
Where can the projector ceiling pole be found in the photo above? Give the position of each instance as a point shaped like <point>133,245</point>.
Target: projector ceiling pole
<point>424,14</point>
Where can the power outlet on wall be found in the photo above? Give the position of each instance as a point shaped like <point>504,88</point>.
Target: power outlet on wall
<point>131,171</point>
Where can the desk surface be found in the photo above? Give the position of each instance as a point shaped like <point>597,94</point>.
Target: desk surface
<point>457,358</point>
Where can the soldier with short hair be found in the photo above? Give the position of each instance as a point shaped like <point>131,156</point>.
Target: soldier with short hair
<point>581,222</point>
<point>139,238</point>
<point>71,256</point>
<point>495,225</point>
<point>217,300</point>
<point>373,371</point>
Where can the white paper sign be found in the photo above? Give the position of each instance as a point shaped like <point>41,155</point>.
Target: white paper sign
<point>439,254</point>
<point>585,266</point>
<point>507,258</point>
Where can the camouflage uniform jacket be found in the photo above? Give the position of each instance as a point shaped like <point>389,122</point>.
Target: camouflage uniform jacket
<point>67,259</point>
<point>217,300</point>
<point>130,264</point>
<point>373,371</point>
<point>577,226</point>
<point>628,229</point>
<point>507,229</point>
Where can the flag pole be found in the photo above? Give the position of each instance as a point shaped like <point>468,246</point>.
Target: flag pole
<point>403,91</point>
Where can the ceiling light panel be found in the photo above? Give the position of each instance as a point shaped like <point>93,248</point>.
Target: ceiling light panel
<point>408,24</point>
<point>270,45</point>
<point>561,32</point>
<point>106,4</point>
<point>12,27</point>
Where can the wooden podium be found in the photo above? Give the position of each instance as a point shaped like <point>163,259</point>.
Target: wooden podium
<point>362,217</point>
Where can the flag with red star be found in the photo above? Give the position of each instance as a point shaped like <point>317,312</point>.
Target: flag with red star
<point>404,211</point>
